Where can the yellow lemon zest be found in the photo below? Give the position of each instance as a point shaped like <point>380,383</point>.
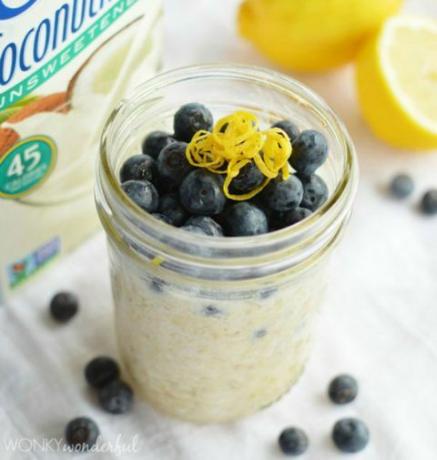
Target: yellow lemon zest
<point>157,261</point>
<point>236,141</point>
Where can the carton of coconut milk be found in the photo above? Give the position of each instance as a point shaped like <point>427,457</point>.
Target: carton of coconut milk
<point>64,64</point>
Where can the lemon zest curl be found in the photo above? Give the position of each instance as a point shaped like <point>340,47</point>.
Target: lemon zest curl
<point>236,141</point>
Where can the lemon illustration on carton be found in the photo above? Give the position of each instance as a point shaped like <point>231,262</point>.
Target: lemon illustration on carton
<point>312,35</point>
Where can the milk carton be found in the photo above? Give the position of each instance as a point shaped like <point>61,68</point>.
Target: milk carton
<point>64,64</point>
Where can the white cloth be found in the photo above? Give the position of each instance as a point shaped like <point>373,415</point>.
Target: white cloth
<point>379,321</point>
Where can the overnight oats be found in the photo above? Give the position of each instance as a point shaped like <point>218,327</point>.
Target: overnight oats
<point>222,190</point>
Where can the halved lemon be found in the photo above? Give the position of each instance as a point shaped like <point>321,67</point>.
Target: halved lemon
<point>397,83</point>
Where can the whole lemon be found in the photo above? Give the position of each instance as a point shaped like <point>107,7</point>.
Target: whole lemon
<point>311,35</point>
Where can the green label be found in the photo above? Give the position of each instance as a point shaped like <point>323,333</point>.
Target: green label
<point>26,166</point>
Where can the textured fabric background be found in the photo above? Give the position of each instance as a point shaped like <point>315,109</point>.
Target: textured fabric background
<point>379,321</point>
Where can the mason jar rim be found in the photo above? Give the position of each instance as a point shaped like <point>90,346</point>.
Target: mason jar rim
<point>223,250</point>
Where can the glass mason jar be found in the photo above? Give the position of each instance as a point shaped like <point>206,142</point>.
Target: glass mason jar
<point>213,329</point>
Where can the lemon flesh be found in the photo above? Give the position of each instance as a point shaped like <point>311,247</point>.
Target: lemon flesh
<point>312,35</point>
<point>397,83</point>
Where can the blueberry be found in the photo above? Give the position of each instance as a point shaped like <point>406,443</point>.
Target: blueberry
<point>142,193</point>
<point>315,192</point>
<point>209,226</point>
<point>401,186</point>
<point>101,370</point>
<point>259,201</point>
<point>245,219</point>
<point>343,389</point>
<point>350,435</point>
<point>293,441</point>
<point>138,167</point>
<point>260,333</point>
<point>429,202</point>
<point>165,186</point>
<point>193,229</point>
<point>283,195</point>
<point>211,310</point>
<point>155,142</point>
<point>170,207</point>
<point>81,434</point>
<point>162,217</point>
<point>189,119</point>
<point>63,306</point>
<point>310,151</point>
<point>116,397</point>
<point>298,214</point>
<point>220,218</point>
<point>291,130</point>
<point>173,165</point>
<point>284,219</point>
<point>267,292</point>
<point>201,193</point>
<point>158,285</point>
<point>248,179</point>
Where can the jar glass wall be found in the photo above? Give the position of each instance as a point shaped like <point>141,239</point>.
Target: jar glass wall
<point>213,329</point>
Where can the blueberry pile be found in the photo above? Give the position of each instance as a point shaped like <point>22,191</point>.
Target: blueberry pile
<point>114,396</point>
<point>350,435</point>
<point>163,183</point>
<point>101,373</point>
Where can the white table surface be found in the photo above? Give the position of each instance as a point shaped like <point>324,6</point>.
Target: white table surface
<point>379,321</point>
